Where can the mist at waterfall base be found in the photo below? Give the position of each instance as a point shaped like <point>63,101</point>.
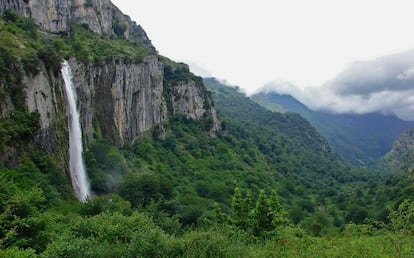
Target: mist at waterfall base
<point>77,169</point>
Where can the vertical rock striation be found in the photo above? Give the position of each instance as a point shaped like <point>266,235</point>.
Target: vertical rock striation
<point>126,99</point>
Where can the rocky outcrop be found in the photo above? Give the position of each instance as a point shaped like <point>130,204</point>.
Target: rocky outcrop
<point>188,99</point>
<point>401,156</point>
<point>194,102</point>
<point>100,16</point>
<point>404,143</point>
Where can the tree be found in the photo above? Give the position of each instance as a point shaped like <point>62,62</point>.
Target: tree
<point>263,214</point>
<point>141,190</point>
<point>279,214</point>
<point>402,224</point>
<point>241,209</point>
<point>267,215</point>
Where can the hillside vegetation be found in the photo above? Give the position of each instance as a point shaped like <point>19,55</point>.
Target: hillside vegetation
<point>267,184</point>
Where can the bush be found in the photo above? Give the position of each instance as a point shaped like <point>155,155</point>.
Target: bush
<point>88,3</point>
<point>50,57</point>
<point>141,190</point>
<point>119,28</point>
<point>11,77</point>
<point>10,16</point>
<point>31,64</point>
<point>106,203</point>
<point>29,27</point>
<point>21,126</point>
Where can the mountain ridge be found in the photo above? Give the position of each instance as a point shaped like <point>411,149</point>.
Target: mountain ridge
<point>360,139</point>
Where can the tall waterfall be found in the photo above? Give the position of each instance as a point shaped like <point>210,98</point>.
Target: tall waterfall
<point>77,167</point>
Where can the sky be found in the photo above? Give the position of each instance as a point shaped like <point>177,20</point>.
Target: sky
<point>317,46</point>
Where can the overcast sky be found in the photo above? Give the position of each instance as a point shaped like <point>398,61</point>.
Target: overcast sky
<point>251,43</point>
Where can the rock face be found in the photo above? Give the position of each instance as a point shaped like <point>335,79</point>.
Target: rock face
<point>100,16</point>
<point>44,94</point>
<point>122,99</point>
<point>401,156</point>
<point>5,106</point>
<point>194,102</point>
<point>188,100</point>
<point>125,99</point>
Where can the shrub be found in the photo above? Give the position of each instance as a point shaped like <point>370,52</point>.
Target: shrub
<point>50,57</point>
<point>10,16</point>
<point>30,64</point>
<point>88,3</point>
<point>119,28</point>
<point>141,190</point>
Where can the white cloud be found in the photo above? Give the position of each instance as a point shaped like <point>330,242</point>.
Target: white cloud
<point>249,43</point>
<point>393,73</point>
<point>384,85</point>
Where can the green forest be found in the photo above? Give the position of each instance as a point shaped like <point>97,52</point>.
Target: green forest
<point>265,185</point>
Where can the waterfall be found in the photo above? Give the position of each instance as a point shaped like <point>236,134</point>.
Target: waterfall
<point>78,175</point>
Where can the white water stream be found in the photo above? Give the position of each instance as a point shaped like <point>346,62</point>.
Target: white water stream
<point>78,175</point>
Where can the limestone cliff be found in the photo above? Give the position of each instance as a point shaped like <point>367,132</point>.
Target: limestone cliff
<point>45,95</point>
<point>125,99</point>
<point>188,94</point>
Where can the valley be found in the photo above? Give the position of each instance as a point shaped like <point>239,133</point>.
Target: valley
<point>179,165</point>
<point>360,139</point>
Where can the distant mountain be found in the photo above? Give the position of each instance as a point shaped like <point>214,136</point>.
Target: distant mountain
<point>360,139</point>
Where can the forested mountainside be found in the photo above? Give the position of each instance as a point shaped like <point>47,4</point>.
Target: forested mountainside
<point>168,178</point>
<point>360,139</point>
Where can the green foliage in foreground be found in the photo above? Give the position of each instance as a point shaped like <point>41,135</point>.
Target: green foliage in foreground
<point>36,222</point>
<point>172,203</point>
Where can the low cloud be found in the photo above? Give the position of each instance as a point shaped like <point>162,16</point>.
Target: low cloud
<point>389,73</point>
<point>281,87</point>
<point>199,70</point>
<point>384,85</point>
